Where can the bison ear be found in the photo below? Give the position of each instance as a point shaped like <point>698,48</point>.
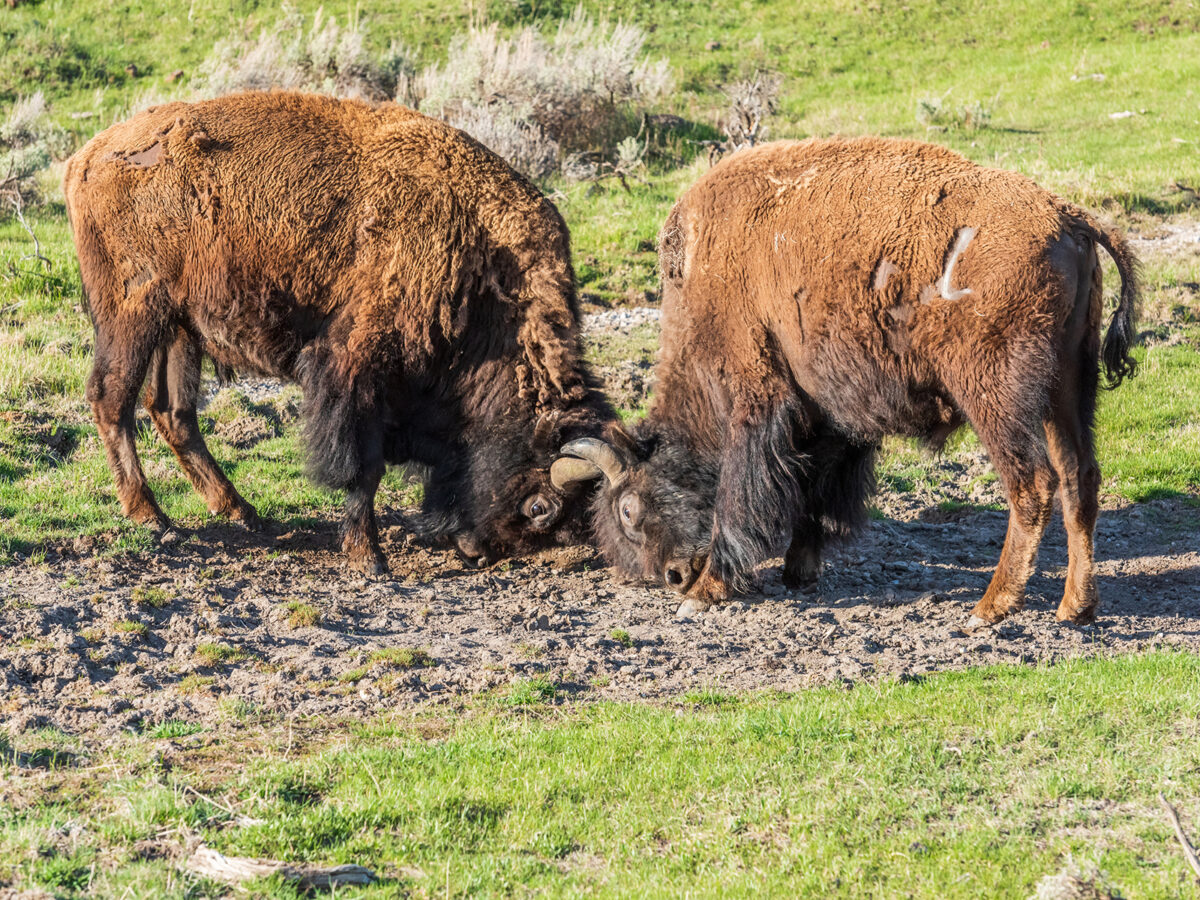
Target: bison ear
<point>622,441</point>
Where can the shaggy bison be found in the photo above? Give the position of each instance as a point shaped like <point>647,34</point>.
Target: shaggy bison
<point>820,295</point>
<point>417,288</point>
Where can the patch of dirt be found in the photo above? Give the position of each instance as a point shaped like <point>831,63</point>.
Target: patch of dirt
<point>224,623</point>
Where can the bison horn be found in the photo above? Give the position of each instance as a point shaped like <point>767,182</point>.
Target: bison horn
<point>583,460</point>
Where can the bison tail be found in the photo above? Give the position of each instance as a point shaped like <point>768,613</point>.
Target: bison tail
<point>1118,363</point>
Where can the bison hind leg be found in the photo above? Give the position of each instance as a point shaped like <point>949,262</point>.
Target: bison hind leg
<point>171,391</point>
<point>117,374</point>
<point>1070,441</point>
<point>1030,483</point>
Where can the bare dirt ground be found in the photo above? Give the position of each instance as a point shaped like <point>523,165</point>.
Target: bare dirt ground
<point>224,633</point>
<point>218,622</point>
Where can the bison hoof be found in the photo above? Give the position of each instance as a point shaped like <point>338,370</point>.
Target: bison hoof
<point>248,519</point>
<point>367,560</point>
<point>975,624</point>
<point>692,607</point>
<point>369,565</point>
<point>1077,617</point>
<point>805,581</point>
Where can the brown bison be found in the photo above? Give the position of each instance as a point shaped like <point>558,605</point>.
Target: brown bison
<point>418,289</point>
<point>820,295</point>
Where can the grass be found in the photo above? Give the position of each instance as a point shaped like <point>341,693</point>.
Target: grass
<point>213,654</point>
<point>973,784</point>
<point>153,597</point>
<point>402,658</point>
<point>127,626</point>
<point>621,636</point>
<point>847,69</point>
<point>173,728</point>
<point>302,615</point>
<point>531,691</point>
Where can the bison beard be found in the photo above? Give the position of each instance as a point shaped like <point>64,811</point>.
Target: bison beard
<point>818,296</point>
<point>417,288</point>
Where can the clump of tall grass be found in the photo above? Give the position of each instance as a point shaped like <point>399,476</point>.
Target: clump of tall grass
<point>324,56</point>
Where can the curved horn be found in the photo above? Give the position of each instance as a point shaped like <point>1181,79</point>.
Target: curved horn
<point>568,470</point>
<point>597,452</point>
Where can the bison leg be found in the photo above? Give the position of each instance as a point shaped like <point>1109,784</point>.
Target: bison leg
<point>112,389</point>
<point>1030,487</point>
<point>171,400</point>
<point>1080,485</point>
<point>758,498</point>
<point>838,478</point>
<point>360,531</point>
<point>1069,439</point>
<point>802,564</point>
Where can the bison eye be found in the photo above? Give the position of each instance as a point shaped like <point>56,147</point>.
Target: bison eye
<point>539,509</point>
<point>630,508</point>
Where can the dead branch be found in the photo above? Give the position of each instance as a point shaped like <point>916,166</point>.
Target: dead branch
<point>1188,850</point>
<point>233,869</point>
<point>15,199</point>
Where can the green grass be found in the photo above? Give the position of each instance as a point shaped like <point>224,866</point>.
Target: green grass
<point>531,691</point>
<point>127,626</point>
<point>215,654</point>
<point>402,658</point>
<point>173,728</point>
<point>621,636</point>
<point>153,597</point>
<point>974,784</point>
<point>846,68</point>
<point>302,615</point>
<point>1148,441</point>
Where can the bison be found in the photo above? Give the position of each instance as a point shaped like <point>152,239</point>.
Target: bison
<point>820,295</point>
<point>417,288</point>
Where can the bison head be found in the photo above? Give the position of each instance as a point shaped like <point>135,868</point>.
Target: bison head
<point>653,514</point>
<point>513,505</point>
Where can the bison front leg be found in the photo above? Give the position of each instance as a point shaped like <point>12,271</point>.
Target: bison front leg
<point>344,431</point>
<point>758,497</point>
<point>802,563</point>
<point>360,531</point>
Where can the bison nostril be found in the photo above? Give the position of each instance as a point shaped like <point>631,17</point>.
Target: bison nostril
<point>674,577</point>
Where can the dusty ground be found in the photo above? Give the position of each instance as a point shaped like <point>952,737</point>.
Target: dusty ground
<point>220,622</point>
<point>891,604</point>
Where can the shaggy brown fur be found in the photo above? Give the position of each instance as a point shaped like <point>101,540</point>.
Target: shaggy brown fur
<point>418,289</point>
<point>821,295</point>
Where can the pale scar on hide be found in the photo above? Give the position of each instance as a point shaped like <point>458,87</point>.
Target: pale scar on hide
<point>885,270</point>
<point>944,287</point>
<point>148,157</point>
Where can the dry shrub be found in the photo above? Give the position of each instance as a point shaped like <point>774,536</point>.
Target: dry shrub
<point>580,89</point>
<point>751,103</point>
<point>326,58</point>
<point>28,143</point>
